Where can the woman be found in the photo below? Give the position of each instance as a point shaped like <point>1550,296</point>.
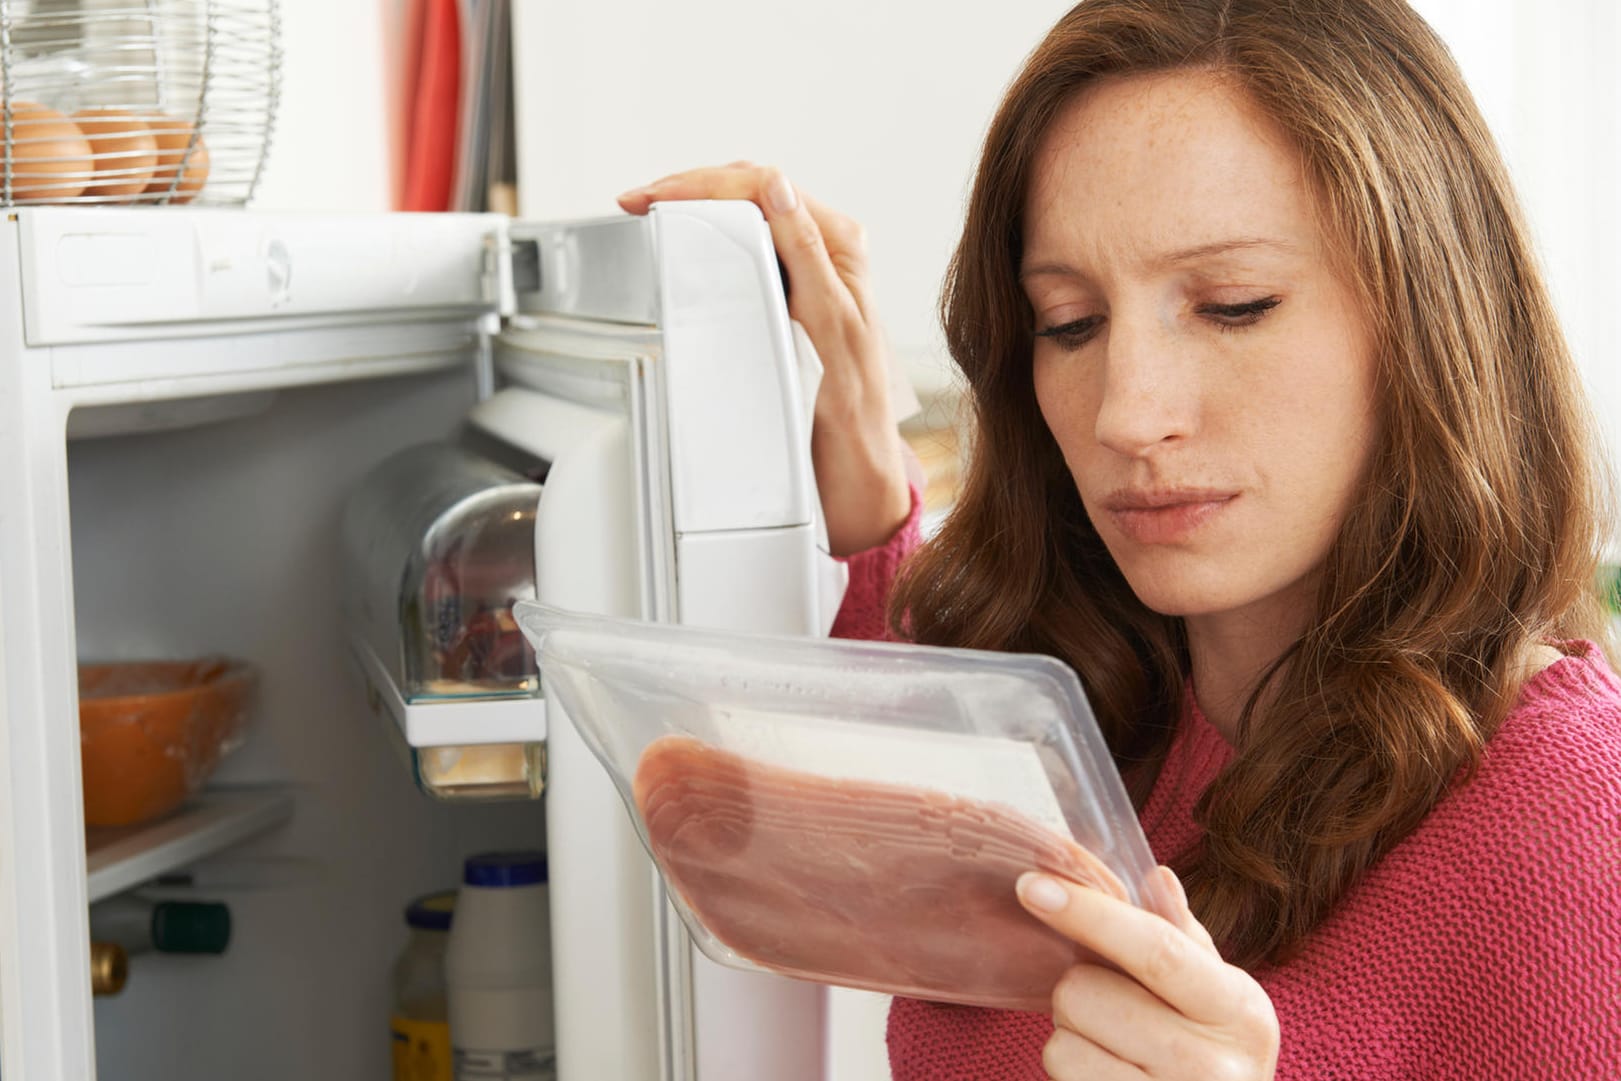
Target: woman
<point>1280,447</point>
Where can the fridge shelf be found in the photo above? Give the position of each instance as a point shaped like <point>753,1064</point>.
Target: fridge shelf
<point>117,859</point>
<point>145,373</point>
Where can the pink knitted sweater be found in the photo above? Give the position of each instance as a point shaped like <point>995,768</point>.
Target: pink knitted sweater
<point>1486,945</point>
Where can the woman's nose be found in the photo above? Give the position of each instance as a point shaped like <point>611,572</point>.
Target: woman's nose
<point>1148,394</point>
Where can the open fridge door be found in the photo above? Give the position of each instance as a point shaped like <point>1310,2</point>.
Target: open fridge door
<point>648,381</point>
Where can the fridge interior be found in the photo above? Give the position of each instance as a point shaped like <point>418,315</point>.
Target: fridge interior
<point>186,426</point>
<point>223,538</point>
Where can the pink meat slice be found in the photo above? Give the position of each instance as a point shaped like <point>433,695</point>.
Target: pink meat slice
<point>879,886</point>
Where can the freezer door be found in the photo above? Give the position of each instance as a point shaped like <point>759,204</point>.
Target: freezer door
<point>703,276</point>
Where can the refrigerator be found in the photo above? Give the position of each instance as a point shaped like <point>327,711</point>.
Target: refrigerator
<point>197,407</point>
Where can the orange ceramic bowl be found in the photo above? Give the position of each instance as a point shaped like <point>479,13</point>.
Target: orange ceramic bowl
<point>150,732</point>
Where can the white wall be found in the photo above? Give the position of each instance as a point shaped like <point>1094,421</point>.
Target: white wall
<point>330,150</point>
<point>876,107</point>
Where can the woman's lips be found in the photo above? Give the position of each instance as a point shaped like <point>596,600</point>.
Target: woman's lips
<point>1165,517</point>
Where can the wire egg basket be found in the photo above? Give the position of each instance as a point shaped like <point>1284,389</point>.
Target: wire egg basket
<point>136,102</point>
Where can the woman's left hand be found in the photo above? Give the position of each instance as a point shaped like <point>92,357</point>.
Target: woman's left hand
<point>1174,1012</point>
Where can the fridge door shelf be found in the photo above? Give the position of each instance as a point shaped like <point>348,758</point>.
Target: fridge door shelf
<point>140,373</point>
<point>118,859</point>
<point>461,748</point>
<point>438,543</point>
<point>451,720</point>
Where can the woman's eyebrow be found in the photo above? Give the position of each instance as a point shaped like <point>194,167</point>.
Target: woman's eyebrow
<point>1168,259</point>
<point>1222,247</point>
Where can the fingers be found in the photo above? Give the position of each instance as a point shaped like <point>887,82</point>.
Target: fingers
<point>738,181</point>
<point>822,299</point>
<point>846,242</point>
<point>1174,1008</point>
<point>855,444</point>
<point>1116,1014</point>
<point>1068,1057</point>
<point>1183,971</point>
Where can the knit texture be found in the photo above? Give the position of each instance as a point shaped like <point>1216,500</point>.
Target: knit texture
<point>866,598</point>
<point>1486,946</point>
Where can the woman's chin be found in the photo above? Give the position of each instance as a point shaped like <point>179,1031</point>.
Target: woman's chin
<point>1186,594</point>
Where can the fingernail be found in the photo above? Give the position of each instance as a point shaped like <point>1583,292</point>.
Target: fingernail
<point>633,193</point>
<point>1039,891</point>
<point>781,195</point>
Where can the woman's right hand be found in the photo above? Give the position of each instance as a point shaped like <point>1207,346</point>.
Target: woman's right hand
<point>855,442</point>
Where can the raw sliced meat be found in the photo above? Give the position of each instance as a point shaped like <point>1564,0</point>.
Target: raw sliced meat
<point>885,887</point>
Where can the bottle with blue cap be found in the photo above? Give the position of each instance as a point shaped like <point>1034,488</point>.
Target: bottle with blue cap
<point>498,970</point>
<point>419,1026</point>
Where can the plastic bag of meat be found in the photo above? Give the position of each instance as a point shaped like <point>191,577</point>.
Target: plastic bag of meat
<point>854,813</point>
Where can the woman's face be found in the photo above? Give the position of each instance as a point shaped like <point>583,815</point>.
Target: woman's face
<point>1201,361</point>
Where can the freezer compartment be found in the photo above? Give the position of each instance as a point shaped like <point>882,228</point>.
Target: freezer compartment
<point>438,544</point>
<point>104,274</point>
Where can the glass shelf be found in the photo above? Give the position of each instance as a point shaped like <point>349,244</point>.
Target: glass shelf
<point>117,859</point>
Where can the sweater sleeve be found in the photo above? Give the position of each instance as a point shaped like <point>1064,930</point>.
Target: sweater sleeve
<point>872,573</point>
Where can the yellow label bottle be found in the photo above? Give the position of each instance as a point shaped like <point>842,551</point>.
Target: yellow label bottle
<point>420,1025</point>
<point>421,1049</point>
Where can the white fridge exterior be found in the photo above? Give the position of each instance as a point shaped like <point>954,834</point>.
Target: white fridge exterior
<point>243,371</point>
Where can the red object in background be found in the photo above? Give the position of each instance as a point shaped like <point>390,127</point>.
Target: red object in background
<point>433,104</point>
<point>403,86</point>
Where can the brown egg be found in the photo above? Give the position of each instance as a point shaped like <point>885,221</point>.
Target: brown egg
<point>173,137</point>
<point>48,155</point>
<point>124,153</point>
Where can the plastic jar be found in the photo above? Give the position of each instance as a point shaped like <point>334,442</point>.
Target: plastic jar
<point>499,970</point>
<point>420,1025</point>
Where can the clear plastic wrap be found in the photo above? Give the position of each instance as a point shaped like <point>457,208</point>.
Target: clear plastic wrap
<point>851,812</point>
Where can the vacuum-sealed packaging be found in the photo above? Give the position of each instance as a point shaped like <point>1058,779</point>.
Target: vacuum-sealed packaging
<point>855,813</point>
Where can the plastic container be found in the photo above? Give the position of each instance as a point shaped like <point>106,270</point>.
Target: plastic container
<point>438,543</point>
<point>151,732</point>
<point>498,969</point>
<point>420,1023</point>
<point>853,813</point>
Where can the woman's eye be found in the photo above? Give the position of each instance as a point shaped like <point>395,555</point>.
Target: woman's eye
<point>1229,316</point>
<point>1074,334</point>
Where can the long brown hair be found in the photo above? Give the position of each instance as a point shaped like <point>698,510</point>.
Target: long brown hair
<point>1477,534</point>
